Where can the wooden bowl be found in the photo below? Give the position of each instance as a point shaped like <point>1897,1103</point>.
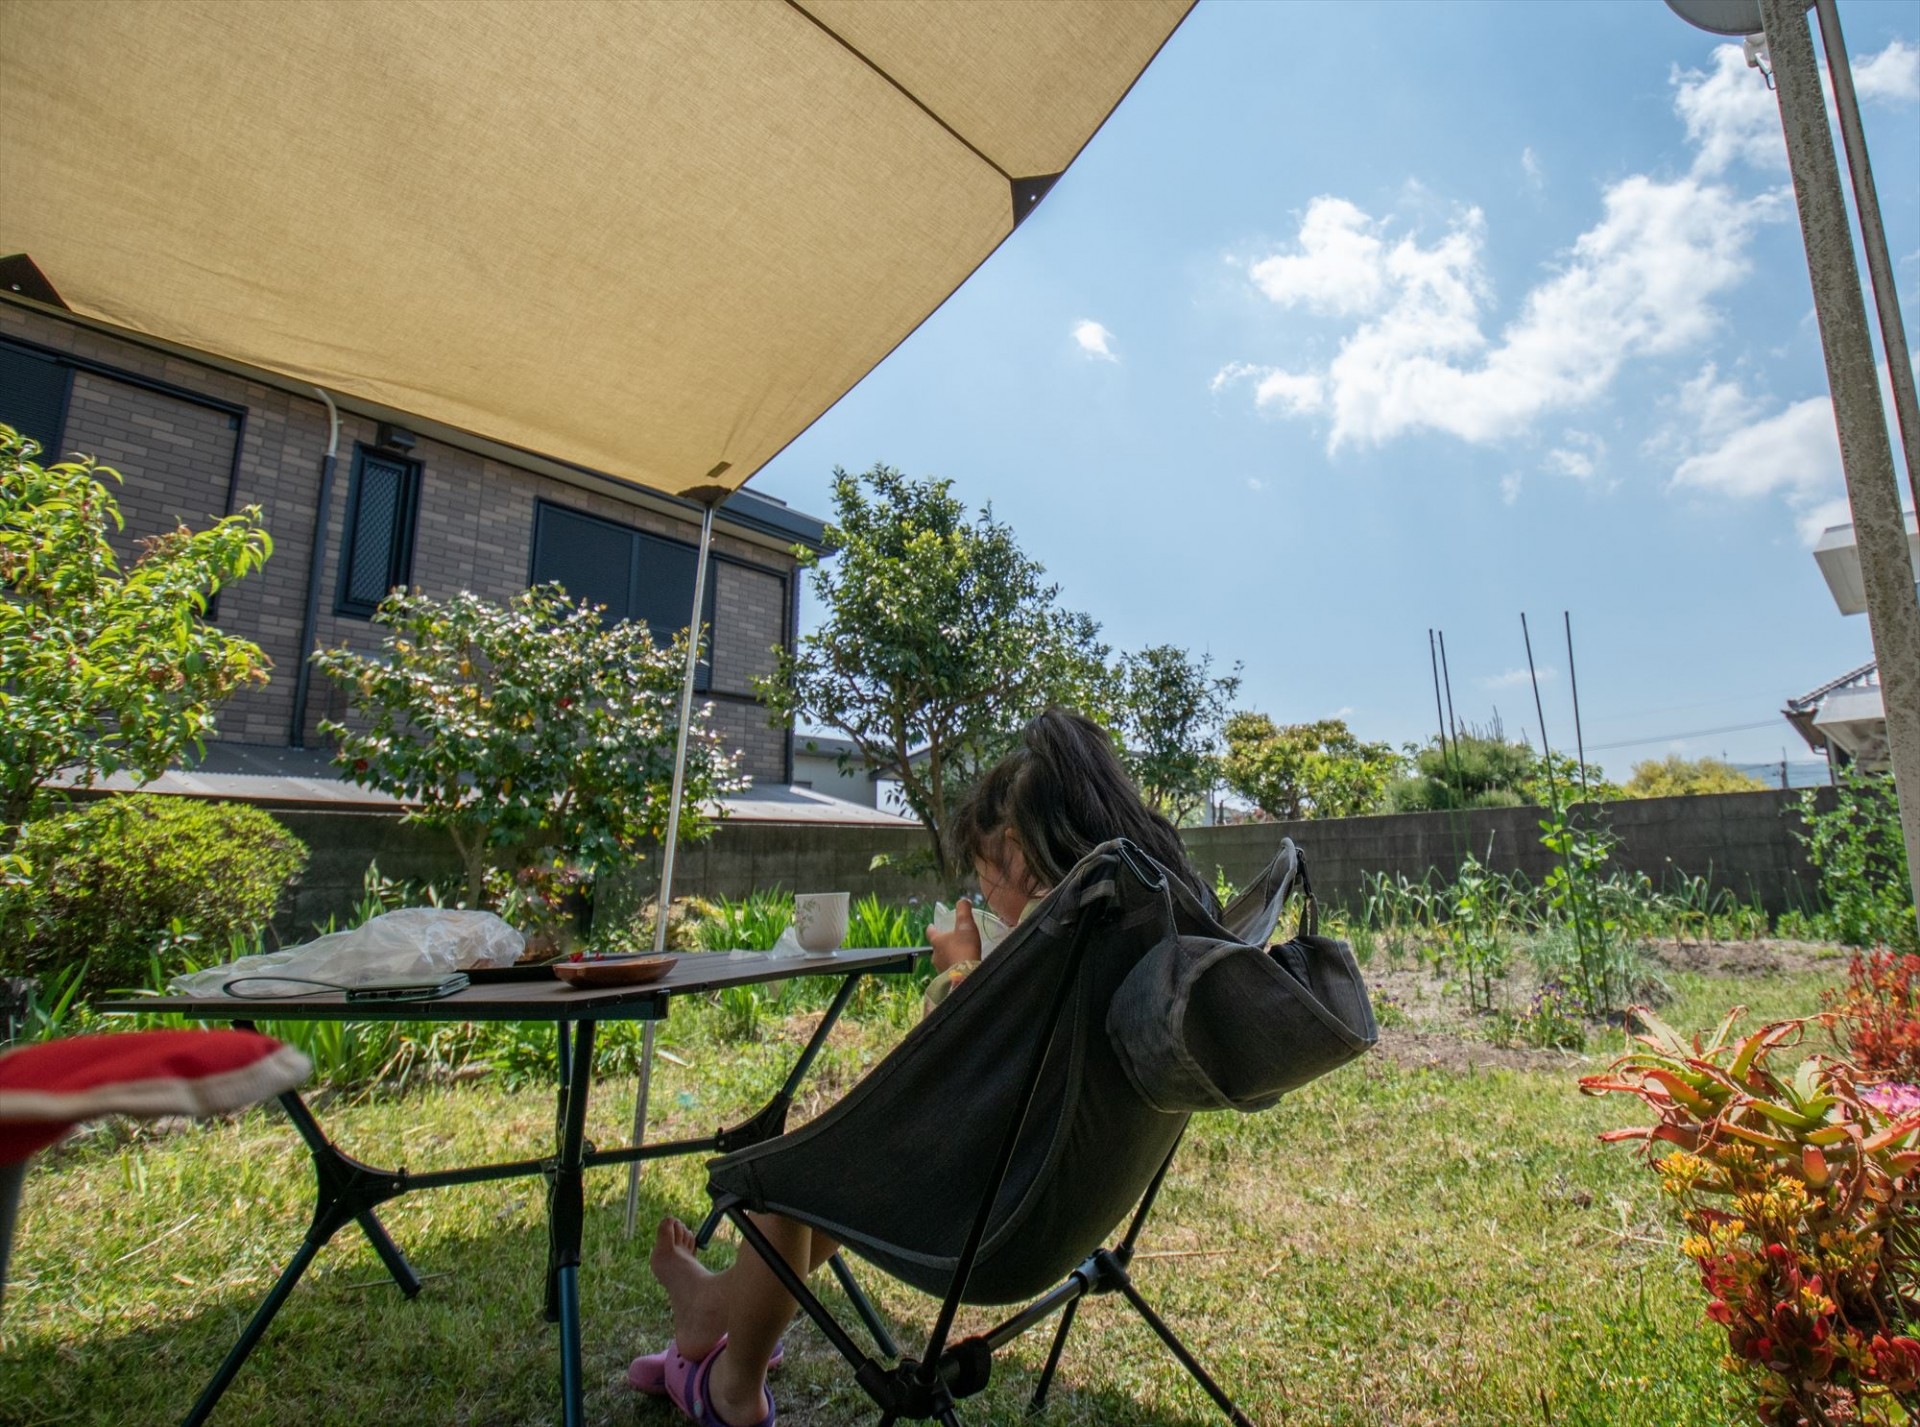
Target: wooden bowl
<point>601,971</point>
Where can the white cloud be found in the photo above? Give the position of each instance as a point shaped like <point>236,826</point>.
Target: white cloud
<point>1733,117</point>
<point>1530,166</point>
<point>1515,677</point>
<point>1644,281</point>
<point>1290,393</point>
<point>1892,75</point>
<point>1509,488</point>
<point>1254,483</point>
<point>1640,282</point>
<point>1793,453</point>
<point>1580,455</point>
<point>1095,340</point>
<point>1339,266</point>
<point>1730,114</point>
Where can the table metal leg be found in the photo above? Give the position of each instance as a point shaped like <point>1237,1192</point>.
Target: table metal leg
<point>347,1193</point>
<point>566,1211</point>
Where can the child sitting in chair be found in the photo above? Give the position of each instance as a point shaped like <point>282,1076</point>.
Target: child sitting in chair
<point>1033,816</point>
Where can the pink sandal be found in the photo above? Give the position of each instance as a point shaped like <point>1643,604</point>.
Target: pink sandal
<point>686,1383</point>
<point>649,1374</point>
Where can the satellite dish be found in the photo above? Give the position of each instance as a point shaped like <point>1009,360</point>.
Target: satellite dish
<point>1738,18</point>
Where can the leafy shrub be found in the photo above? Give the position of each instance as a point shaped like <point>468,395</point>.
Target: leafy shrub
<point>1802,1200</point>
<point>115,880</point>
<point>1879,1014</point>
<point>106,668</point>
<point>1862,859</point>
<point>523,729</point>
<point>1674,776</point>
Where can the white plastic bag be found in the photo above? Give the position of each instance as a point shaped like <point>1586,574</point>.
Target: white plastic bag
<point>422,942</point>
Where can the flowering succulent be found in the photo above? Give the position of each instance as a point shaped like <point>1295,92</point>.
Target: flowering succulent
<point>1801,1193</point>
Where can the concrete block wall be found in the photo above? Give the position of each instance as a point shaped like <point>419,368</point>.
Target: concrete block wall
<point>1743,843</point>
<point>475,524</point>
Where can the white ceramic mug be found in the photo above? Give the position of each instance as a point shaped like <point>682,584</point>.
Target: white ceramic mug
<point>820,919</point>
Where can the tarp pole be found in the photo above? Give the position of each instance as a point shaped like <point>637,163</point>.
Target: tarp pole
<point>1866,453</point>
<point>668,848</point>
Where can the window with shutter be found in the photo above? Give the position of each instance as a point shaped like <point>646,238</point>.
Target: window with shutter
<point>382,501</point>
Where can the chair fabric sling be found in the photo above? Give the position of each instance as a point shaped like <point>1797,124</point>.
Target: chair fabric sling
<point>895,1170</point>
<point>1023,1052</point>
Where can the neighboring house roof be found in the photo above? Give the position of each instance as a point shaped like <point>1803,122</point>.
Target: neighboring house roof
<point>305,778</point>
<point>1846,714</point>
<point>772,516</point>
<point>827,745</point>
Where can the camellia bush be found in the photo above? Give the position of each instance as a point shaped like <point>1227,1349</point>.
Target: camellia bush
<point>1800,1188</point>
<point>104,668</point>
<point>525,729</point>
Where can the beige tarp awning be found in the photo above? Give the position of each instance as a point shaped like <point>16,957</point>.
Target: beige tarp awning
<point>652,237</point>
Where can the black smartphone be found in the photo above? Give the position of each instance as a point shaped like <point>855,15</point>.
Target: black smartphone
<point>401,990</point>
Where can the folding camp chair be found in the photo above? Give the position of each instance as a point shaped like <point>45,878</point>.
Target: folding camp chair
<point>1056,1138</point>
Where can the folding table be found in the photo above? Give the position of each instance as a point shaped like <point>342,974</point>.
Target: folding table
<point>349,1191</point>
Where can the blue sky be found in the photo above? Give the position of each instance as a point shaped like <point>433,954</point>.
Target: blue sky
<point>1361,318</point>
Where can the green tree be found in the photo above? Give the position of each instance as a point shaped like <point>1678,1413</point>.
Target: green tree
<point>1674,776</point>
<point>1483,768</point>
<point>524,727</point>
<point>104,669</point>
<point>1173,708</point>
<point>940,639</point>
<point>1305,770</point>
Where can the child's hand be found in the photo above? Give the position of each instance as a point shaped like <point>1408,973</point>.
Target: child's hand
<point>961,944</point>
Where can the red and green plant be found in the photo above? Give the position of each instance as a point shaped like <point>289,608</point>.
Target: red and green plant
<point>1878,1014</point>
<point>1802,1198</point>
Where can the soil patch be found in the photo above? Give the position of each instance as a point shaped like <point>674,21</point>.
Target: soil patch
<point>1751,958</point>
<point>1448,1050</point>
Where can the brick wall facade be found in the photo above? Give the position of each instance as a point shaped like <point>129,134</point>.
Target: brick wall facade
<point>474,529</point>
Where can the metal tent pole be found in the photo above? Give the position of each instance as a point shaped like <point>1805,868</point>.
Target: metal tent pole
<point>669,847</point>
<point>1866,454</point>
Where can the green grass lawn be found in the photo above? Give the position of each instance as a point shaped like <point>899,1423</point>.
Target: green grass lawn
<point>1389,1246</point>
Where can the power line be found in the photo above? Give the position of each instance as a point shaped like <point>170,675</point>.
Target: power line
<point>1695,733</point>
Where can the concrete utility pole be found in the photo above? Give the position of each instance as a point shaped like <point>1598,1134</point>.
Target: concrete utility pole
<point>1866,455</point>
<point>1866,202</point>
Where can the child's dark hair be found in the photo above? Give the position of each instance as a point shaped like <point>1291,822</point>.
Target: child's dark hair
<point>1064,792</point>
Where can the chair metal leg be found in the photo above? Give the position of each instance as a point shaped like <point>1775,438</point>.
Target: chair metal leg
<point>1039,1401</point>
<point>12,1176</point>
<point>1187,1359</point>
<point>864,1307</point>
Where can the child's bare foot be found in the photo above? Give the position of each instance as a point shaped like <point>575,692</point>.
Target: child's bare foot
<point>699,1314</point>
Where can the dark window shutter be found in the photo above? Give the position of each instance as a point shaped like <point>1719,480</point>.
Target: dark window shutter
<point>380,519</point>
<point>590,559</point>
<point>634,574</point>
<point>662,591</point>
<point>33,398</point>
